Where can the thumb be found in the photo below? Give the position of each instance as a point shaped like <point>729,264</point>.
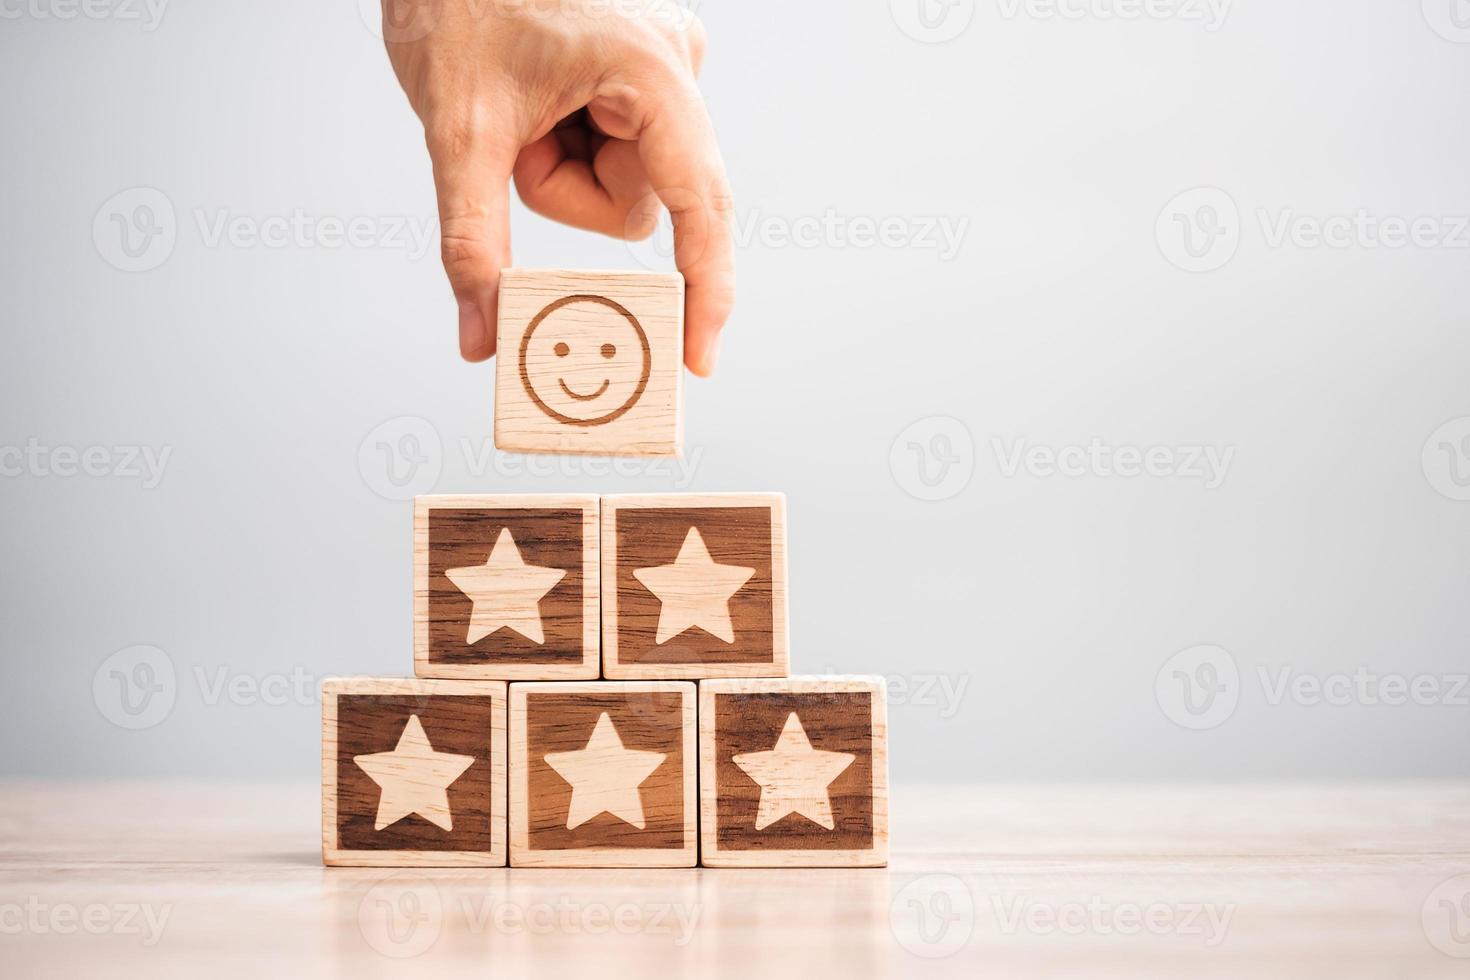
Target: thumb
<point>472,166</point>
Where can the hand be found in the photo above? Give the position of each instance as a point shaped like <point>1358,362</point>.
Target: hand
<point>591,106</point>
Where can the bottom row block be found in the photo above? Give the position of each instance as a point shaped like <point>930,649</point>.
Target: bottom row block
<point>734,773</point>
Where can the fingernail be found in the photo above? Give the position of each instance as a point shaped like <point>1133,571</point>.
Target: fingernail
<point>472,335</point>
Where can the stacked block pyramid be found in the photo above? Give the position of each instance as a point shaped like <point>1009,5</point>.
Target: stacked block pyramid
<point>603,682</point>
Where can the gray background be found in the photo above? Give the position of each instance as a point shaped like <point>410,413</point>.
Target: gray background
<point>1051,604</point>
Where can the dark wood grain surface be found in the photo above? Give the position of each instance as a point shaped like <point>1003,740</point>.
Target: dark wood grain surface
<point>646,721</point>
<point>837,721</point>
<point>373,723</point>
<point>463,537</point>
<point>734,536</point>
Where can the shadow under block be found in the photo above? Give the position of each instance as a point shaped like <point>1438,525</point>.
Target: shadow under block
<point>694,586</point>
<point>590,362</point>
<point>413,772</point>
<point>793,772</point>
<point>506,587</point>
<point>602,774</point>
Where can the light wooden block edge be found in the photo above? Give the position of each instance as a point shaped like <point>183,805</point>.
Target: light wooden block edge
<point>591,665</point>
<point>518,833</point>
<point>780,665</point>
<point>336,857</point>
<point>576,281</point>
<point>710,855</point>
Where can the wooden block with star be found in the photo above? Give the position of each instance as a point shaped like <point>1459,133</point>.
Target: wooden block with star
<point>590,362</point>
<point>413,772</point>
<point>694,586</point>
<point>793,772</point>
<point>506,586</point>
<point>602,774</point>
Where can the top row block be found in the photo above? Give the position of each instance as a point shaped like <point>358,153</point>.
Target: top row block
<point>567,587</point>
<point>590,362</point>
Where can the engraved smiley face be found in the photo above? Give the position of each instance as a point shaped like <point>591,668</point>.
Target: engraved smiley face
<point>585,360</point>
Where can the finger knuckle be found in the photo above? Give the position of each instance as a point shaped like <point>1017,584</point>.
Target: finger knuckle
<point>640,224</point>
<point>464,254</point>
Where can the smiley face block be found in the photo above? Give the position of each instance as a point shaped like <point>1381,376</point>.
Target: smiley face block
<point>694,585</point>
<point>602,774</point>
<point>413,772</point>
<point>793,772</point>
<point>506,586</point>
<point>590,362</point>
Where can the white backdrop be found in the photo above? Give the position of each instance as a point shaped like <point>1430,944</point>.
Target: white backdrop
<point>1113,357</point>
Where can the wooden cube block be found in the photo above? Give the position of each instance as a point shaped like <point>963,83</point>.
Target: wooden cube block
<point>602,774</point>
<point>506,586</point>
<point>793,772</point>
<point>694,586</point>
<point>590,362</point>
<point>413,772</point>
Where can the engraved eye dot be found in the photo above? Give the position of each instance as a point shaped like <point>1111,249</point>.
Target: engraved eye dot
<point>608,350</point>
<point>562,350</point>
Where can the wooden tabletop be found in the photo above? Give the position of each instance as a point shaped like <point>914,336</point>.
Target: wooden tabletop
<point>201,880</point>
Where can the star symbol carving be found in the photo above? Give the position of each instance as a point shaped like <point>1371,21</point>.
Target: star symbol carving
<point>694,591</point>
<point>506,592</point>
<point>794,777</point>
<point>605,776</point>
<point>414,778</point>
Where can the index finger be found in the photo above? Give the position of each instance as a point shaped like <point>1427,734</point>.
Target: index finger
<point>682,159</point>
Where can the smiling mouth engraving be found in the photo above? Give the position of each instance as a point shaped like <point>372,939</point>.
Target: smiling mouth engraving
<point>584,398</point>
